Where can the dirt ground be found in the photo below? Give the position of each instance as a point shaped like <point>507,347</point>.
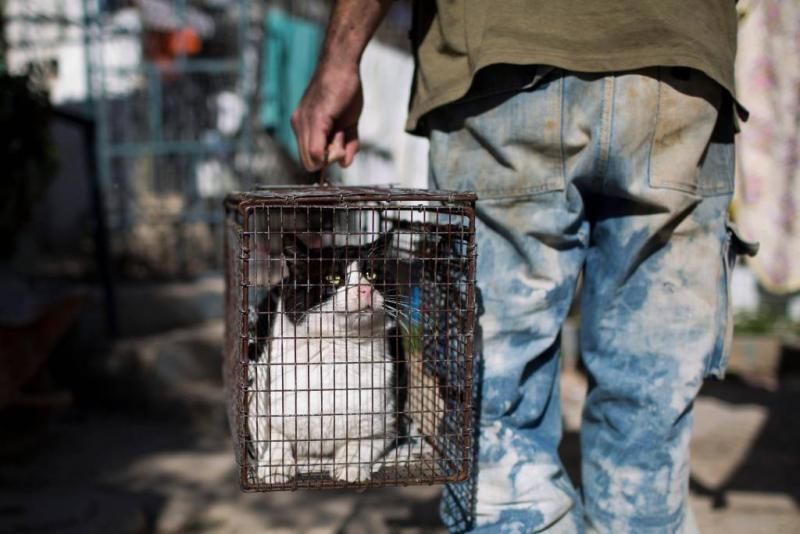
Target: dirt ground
<point>89,470</point>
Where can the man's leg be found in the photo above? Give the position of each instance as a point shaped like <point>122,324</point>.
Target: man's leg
<point>655,317</point>
<point>531,241</point>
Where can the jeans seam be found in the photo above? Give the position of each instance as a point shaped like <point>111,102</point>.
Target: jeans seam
<point>655,129</point>
<point>561,128</point>
<point>605,125</point>
<point>717,363</point>
<point>511,193</point>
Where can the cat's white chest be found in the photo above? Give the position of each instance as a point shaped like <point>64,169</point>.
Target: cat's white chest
<point>328,389</point>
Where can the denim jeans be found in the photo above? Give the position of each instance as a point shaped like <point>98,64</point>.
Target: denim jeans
<point>624,178</point>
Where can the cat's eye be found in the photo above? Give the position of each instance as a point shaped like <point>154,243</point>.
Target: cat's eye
<point>334,279</point>
<point>370,276</point>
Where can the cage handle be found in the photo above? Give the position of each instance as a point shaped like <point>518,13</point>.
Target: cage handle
<point>323,176</point>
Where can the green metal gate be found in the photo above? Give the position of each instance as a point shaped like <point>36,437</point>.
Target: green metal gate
<point>173,131</point>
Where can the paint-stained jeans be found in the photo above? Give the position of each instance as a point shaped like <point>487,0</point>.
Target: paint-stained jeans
<point>625,178</point>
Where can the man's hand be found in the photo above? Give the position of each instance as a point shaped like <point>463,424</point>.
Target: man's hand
<point>326,121</point>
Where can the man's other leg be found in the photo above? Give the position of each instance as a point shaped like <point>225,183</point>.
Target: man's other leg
<point>655,317</point>
<point>531,242</point>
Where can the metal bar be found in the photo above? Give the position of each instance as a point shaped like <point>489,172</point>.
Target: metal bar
<point>154,107</point>
<point>244,282</point>
<point>190,66</point>
<point>180,60</point>
<point>93,37</point>
<point>247,83</point>
<point>87,57</point>
<point>472,254</point>
<point>97,172</point>
<point>314,194</point>
<point>165,148</point>
<point>43,18</point>
<point>102,239</point>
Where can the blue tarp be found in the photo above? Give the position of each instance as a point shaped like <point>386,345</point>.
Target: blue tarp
<point>291,48</point>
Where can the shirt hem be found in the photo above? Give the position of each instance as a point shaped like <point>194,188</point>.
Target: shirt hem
<point>586,63</point>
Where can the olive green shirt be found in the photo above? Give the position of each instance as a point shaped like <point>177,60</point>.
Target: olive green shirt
<point>454,39</point>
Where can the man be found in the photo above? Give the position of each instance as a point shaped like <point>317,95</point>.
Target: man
<point>599,138</point>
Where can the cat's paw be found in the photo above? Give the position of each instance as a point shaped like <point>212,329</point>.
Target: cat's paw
<point>352,472</point>
<point>275,474</point>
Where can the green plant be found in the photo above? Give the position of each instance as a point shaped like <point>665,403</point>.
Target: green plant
<point>765,322</point>
<point>412,340</point>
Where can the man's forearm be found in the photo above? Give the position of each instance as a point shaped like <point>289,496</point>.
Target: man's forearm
<point>326,120</point>
<point>351,26</point>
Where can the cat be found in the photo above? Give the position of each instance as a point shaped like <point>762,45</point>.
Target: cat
<point>322,393</point>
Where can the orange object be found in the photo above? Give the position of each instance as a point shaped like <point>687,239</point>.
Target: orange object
<point>184,41</point>
<point>163,47</point>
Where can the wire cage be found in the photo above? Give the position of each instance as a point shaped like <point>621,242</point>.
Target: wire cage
<point>349,341</point>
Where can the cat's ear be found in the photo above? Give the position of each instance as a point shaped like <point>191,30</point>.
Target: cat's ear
<point>294,248</point>
<point>382,245</point>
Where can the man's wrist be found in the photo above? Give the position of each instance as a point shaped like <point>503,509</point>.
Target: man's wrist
<point>331,73</point>
<point>341,55</point>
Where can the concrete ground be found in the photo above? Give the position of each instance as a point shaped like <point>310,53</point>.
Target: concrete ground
<point>129,472</point>
<point>147,450</point>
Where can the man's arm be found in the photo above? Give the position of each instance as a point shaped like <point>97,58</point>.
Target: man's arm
<point>327,117</point>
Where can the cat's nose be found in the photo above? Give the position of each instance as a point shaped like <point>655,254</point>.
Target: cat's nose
<point>365,292</point>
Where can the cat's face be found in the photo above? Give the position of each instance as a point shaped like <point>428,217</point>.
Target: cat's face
<point>338,291</point>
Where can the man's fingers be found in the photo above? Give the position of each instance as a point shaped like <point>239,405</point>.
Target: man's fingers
<point>305,158</point>
<point>312,139</point>
<point>317,138</point>
<point>325,120</point>
<point>351,145</point>
<point>343,147</point>
<point>301,136</point>
<point>336,149</point>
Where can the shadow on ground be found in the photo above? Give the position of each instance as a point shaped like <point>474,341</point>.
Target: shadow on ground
<point>94,467</point>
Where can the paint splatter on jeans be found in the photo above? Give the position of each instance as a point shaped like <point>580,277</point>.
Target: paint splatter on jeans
<point>625,178</point>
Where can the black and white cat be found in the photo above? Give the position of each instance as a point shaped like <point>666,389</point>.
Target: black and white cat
<point>322,396</point>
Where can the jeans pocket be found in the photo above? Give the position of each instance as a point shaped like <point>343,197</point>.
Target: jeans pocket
<point>501,146</point>
<point>735,245</point>
<point>687,123</point>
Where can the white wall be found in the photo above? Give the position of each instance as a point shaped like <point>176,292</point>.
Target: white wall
<point>386,75</point>
<point>58,38</point>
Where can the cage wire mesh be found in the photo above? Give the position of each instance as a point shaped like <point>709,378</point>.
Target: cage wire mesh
<point>349,341</point>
